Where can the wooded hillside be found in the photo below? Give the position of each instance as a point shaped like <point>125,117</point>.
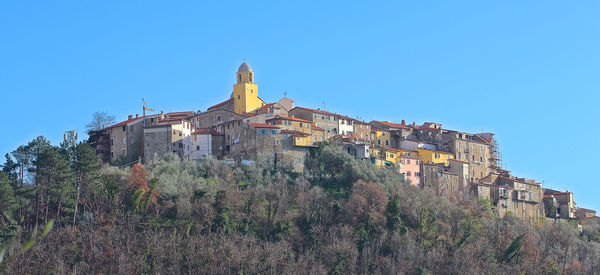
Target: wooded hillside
<point>60,212</point>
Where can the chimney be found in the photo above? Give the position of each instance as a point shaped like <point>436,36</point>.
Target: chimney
<point>129,117</point>
<point>403,122</point>
<point>137,115</point>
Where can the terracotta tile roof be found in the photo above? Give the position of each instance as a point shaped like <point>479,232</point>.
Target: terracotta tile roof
<point>289,118</point>
<point>266,106</point>
<point>351,137</point>
<point>123,123</point>
<point>173,119</point>
<point>220,104</point>
<point>399,150</point>
<point>316,111</point>
<point>483,139</point>
<point>204,131</point>
<point>296,133</point>
<point>249,114</point>
<point>180,113</point>
<point>392,125</point>
<point>260,125</point>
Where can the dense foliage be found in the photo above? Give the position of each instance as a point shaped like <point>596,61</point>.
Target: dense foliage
<point>341,216</point>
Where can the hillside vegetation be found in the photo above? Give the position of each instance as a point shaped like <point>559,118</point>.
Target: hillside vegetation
<point>60,212</point>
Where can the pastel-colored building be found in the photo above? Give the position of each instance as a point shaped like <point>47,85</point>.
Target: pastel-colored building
<point>245,92</point>
<point>380,137</point>
<point>410,167</point>
<point>433,156</point>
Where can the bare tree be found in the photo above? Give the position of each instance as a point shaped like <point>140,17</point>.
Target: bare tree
<point>100,120</point>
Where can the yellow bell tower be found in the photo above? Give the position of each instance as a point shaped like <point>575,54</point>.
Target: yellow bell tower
<point>245,92</point>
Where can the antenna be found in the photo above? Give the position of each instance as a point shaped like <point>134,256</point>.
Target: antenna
<point>324,109</point>
<point>284,93</point>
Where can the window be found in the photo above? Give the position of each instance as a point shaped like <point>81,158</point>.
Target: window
<point>124,140</point>
<point>379,142</point>
<point>273,132</point>
<point>387,143</point>
<point>239,78</point>
<point>480,159</point>
<point>252,91</point>
<point>131,140</point>
<point>238,96</point>
<point>408,173</point>
<point>300,124</point>
<point>408,162</point>
<point>218,118</point>
<point>437,155</point>
<point>299,160</point>
<point>111,142</point>
<point>263,132</point>
<point>197,148</point>
<point>124,128</point>
<point>131,128</point>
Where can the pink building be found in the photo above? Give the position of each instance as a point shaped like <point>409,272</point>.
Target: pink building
<point>410,167</point>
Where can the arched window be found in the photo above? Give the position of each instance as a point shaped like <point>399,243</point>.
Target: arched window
<point>239,78</point>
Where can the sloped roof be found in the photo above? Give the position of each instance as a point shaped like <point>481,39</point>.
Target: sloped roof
<point>123,123</point>
<point>289,118</point>
<point>220,104</point>
<point>260,125</point>
<point>392,125</point>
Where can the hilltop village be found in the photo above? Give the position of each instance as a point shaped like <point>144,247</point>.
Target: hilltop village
<point>246,129</point>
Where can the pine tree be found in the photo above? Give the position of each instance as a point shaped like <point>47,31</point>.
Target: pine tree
<point>87,170</point>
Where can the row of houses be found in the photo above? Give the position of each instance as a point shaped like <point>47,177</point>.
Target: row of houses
<point>246,129</point>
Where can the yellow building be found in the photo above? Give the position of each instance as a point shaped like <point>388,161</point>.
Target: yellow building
<point>300,138</point>
<point>245,92</point>
<point>318,134</point>
<point>380,137</point>
<point>433,156</point>
<point>291,123</point>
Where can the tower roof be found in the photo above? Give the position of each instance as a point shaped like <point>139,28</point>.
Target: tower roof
<point>244,68</point>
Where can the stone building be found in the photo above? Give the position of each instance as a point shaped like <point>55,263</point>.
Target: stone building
<point>517,196</point>
<point>291,123</point>
<point>395,132</point>
<point>215,115</point>
<point>477,149</point>
<point>362,130</point>
<point>441,182</point>
<point>251,142</point>
<point>168,135</point>
<point>325,120</point>
<point>565,208</point>
<point>125,140</point>
<point>355,146</point>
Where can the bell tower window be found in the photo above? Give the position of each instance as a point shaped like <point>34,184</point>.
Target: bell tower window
<point>239,77</point>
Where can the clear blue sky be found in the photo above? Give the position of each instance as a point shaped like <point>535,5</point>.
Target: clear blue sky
<point>525,70</point>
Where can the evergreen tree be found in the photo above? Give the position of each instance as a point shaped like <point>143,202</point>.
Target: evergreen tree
<point>87,170</point>
<point>54,179</point>
<point>7,200</point>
